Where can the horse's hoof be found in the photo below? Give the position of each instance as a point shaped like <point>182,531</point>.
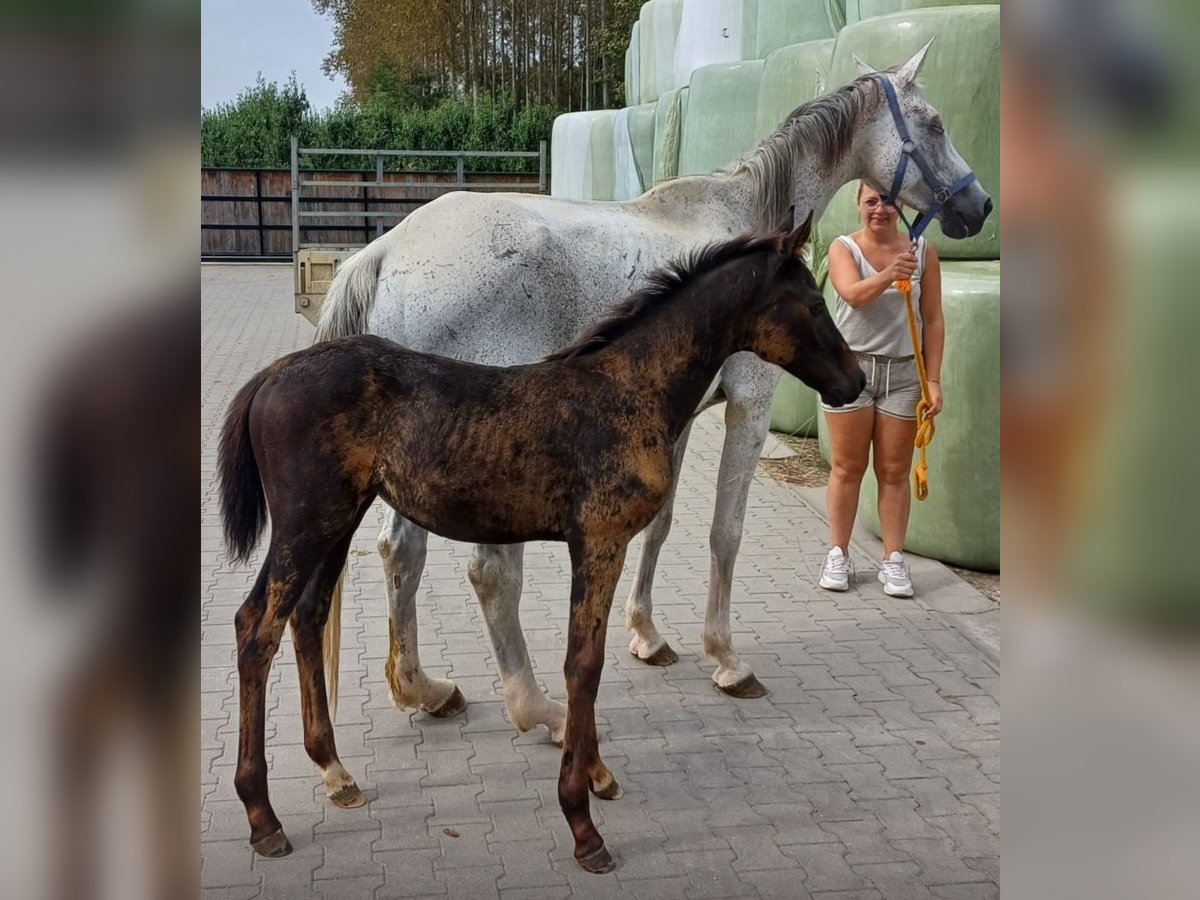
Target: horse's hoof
<point>453,705</point>
<point>273,846</point>
<point>663,656</point>
<point>747,689</point>
<point>610,790</point>
<point>349,797</point>
<point>597,862</point>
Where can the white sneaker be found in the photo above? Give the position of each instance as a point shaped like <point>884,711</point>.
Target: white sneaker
<point>893,575</point>
<point>837,571</point>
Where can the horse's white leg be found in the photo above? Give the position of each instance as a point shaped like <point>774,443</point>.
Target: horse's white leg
<point>402,547</point>
<point>647,644</point>
<point>748,385</point>
<point>496,572</point>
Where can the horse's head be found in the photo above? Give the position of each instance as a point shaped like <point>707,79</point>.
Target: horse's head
<point>792,328</point>
<point>931,171</point>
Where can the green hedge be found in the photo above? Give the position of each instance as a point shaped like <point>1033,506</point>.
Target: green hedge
<point>255,130</point>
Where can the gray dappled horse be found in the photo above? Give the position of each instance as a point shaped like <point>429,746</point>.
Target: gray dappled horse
<point>506,278</point>
<point>577,448</point>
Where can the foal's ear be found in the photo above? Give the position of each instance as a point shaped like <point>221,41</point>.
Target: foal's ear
<point>907,73</point>
<point>789,220</point>
<point>793,244</point>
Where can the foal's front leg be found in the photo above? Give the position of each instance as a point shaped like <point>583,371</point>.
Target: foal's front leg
<point>595,569</point>
<point>749,384</point>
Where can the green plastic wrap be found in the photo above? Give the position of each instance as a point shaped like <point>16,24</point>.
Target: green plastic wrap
<point>835,12</point>
<point>959,523</point>
<point>749,33</point>
<point>960,77</point>
<point>780,23</point>
<point>719,122</point>
<point>601,153</point>
<point>633,65</point>
<point>791,76</point>
<point>857,10</point>
<point>668,128</point>
<point>641,137</point>
<point>659,20</point>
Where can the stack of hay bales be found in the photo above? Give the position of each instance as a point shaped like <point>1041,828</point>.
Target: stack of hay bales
<point>708,79</point>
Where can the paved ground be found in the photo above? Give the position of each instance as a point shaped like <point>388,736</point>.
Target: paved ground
<point>871,770</point>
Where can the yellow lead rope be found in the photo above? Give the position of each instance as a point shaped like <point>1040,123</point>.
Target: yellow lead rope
<point>925,427</point>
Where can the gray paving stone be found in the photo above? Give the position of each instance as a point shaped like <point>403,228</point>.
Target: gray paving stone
<point>896,880</point>
<point>778,884</point>
<point>826,868</point>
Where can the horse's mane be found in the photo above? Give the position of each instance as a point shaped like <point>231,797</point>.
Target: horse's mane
<point>824,126</point>
<point>661,285</point>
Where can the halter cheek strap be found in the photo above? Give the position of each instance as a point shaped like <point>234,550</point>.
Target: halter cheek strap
<point>941,192</point>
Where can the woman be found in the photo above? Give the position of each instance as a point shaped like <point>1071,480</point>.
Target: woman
<point>863,267</point>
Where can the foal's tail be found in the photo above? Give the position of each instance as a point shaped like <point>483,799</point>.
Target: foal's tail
<point>243,504</point>
<point>351,295</point>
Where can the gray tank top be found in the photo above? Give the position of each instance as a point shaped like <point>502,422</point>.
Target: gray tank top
<point>880,327</point>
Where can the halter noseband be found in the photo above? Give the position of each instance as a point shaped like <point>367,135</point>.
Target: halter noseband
<point>941,192</point>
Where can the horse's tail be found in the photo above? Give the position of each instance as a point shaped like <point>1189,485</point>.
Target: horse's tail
<point>331,644</point>
<point>243,503</point>
<point>351,295</point>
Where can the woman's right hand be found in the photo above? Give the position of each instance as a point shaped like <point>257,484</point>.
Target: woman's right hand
<point>902,267</point>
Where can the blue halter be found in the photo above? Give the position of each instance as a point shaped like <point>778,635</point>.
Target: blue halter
<point>941,192</point>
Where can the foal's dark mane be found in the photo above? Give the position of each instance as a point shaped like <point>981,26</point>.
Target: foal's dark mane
<point>661,285</point>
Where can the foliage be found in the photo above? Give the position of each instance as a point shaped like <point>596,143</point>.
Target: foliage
<point>564,53</point>
<point>256,129</point>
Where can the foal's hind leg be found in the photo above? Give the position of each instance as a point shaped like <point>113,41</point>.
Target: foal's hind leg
<point>495,572</point>
<point>402,548</point>
<point>647,644</point>
<point>307,623</point>
<point>749,384</point>
<point>260,622</point>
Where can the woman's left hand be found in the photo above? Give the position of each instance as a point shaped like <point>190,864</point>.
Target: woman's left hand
<point>935,399</point>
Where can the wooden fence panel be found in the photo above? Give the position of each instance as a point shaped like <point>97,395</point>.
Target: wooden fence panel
<point>247,213</point>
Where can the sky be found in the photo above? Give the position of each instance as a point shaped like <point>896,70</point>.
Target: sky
<point>239,39</point>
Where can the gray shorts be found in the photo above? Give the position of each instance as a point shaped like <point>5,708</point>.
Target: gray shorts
<point>893,386</point>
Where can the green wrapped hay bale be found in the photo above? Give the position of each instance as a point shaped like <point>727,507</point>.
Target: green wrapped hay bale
<point>581,147</point>
<point>719,122</point>
<point>633,66</point>
<point>960,77</point>
<point>627,184</point>
<point>959,523</point>
<point>669,113</point>
<point>857,10</point>
<point>659,31</point>
<point>780,23</point>
<point>749,33</point>
<point>791,76</point>
<point>709,35</point>
<point>641,137</point>
<point>835,12</point>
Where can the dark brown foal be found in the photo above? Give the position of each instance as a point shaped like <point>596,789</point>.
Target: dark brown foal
<point>578,448</point>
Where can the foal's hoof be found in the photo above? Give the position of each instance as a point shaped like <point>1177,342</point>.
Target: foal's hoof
<point>663,656</point>
<point>349,797</point>
<point>273,846</point>
<point>453,705</point>
<point>597,862</point>
<point>609,790</point>
<point>747,689</point>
